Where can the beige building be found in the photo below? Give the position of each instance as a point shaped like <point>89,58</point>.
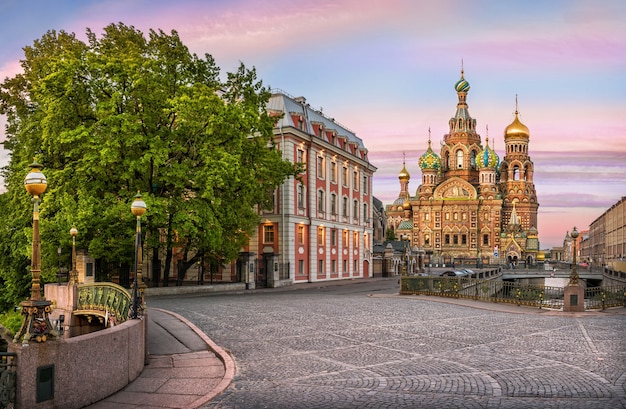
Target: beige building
<point>607,236</point>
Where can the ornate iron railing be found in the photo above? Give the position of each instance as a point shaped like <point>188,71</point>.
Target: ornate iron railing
<point>7,379</point>
<point>509,292</point>
<point>103,299</point>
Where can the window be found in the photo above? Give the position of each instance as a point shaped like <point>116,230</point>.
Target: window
<point>365,184</point>
<point>345,266</point>
<point>333,204</point>
<point>459,159</point>
<point>300,156</point>
<point>300,234</point>
<point>301,196</point>
<point>356,239</point>
<point>333,172</point>
<point>344,207</point>
<point>344,176</point>
<point>333,237</point>
<point>355,180</point>
<point>455,239</point>
<point>301,267</point>
<point>427,240</point>
<point>485,239</point>
<point>447,239</point>
<point>320,201</point>
<point>355,210</point>
<point>320,264</point>
<point>365,214</point>
<point>516,172</point>
<point>345,238</point>
<point>464,239</point>
<point>333,266</point>
<point>320,236</point>
<point>321,171</point>
<point>268,233</point>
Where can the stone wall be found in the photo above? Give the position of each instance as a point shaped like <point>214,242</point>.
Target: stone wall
<point>86,369</point>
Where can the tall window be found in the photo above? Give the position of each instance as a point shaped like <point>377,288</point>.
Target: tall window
<point>365,215</point>
<point>485,239</point>
<point>344,207</point>
<point>320,201</point>
<point>344,176</point>
<point>301,267</point>
<point>333,204</point>
<point>300,156</point>
<point>365,185</point>
<point>333,266</point>
<point>320,236</point>
<point>301,196</point>
<point>321,168</point>
<point>355,210</point>
<point>355,180</point>
<point>345,239</point>
<point>459,159</point>
<point>268,233</point>
<point>300,234</point>
<point>320,266</point>
<point>333,172</point>
<point>333,237</point>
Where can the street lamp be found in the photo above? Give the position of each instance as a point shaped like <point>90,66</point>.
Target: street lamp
<point>36,324</point>
<point>74,273</point>
<point>573,277</point>
<point>138,208</point>
<point>405,268</point>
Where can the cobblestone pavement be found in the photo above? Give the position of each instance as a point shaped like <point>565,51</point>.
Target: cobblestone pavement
<point>349,348</point>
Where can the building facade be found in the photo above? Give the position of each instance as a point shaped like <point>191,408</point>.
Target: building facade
<point>470,205</point>
<point>607,236</point>
<point>321,227</point>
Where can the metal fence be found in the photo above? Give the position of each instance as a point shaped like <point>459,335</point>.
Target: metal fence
<point>509,292</point>
<point>7,379</point>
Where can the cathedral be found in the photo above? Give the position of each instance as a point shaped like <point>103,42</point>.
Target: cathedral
<point>471,206</point>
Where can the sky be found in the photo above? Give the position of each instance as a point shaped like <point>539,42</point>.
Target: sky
<point>387,69</point>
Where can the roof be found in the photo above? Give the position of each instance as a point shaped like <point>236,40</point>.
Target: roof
<point>282,102</point>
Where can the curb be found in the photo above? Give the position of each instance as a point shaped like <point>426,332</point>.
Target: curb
<point>222,355</point>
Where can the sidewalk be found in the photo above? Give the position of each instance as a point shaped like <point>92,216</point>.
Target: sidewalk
<point>186,368</point>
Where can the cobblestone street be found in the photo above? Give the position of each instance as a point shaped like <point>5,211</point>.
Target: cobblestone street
<point>362,346</point>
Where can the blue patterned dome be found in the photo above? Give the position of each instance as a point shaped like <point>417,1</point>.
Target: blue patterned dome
<point>429,160</point>
<point>487,158</point>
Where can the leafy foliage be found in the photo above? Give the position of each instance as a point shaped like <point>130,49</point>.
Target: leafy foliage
<point>123,113</point>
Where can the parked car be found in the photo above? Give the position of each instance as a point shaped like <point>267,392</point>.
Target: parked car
<point>448,274</point>
<point>461,273</point>
<point>471,273</point>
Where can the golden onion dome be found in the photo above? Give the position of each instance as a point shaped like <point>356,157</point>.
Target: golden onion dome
<point>404,174</point>
<point>406,205</point>
<point>517,129</point>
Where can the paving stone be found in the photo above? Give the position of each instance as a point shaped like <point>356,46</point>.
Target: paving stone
<point>343,349</point>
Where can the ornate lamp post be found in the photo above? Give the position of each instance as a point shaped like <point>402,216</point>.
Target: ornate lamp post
<point>138,208</point>
<point>35,310</point>
<point>405,267</point>
<point>573,276</point>
<point>74,273</point>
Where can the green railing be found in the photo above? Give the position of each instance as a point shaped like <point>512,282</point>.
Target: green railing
<point>102,299</point>
<point>7,379</point>
<point>508,292</point>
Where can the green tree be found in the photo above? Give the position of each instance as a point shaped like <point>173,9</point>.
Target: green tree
<point>123,113</point>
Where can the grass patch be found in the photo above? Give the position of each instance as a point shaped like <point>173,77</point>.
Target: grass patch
<point>11,321</point>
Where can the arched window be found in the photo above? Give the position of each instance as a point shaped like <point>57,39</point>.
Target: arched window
<point>459,159</point>
<point>515,172</point>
